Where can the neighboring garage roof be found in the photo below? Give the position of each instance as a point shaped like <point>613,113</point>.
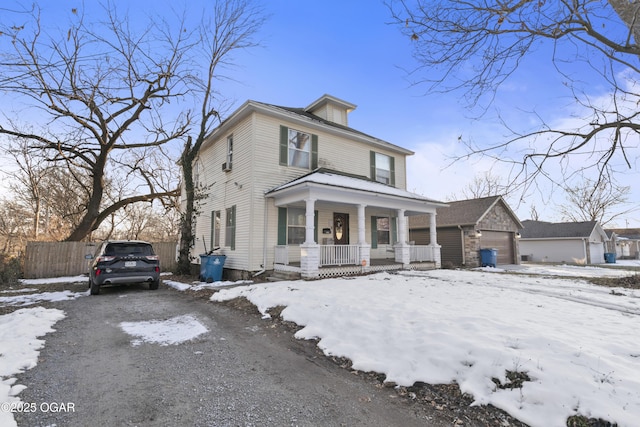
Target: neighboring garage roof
<point>464,213</point>
<point>550,230</point>
<point>627,233</point>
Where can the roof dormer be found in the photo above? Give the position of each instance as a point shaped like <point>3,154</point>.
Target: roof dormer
<point>331,109</point>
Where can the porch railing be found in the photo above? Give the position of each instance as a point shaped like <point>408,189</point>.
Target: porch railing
<point>282,255</point>
<point>421,253</point>
<point>339,255</point>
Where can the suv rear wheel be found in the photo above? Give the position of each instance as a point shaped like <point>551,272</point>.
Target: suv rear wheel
<point>154,285</point>
<point>95,288</point>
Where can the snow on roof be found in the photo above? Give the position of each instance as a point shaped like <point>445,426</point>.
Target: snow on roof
<point>337,179</point>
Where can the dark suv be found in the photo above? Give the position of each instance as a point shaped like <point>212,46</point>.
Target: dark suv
<point>124,261</point>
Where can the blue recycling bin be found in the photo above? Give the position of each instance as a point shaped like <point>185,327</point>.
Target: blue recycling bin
<point>610,257</point>
<point>488,257</point>
<point>211,267</point>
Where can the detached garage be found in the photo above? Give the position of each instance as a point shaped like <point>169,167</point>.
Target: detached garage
<point>566,242</point>
<point>467,226</point>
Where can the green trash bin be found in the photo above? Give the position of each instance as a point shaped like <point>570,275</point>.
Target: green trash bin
<point>211,267</point>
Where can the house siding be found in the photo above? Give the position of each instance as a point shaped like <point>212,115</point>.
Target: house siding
<point>566,251</point>
<point>255,170</point>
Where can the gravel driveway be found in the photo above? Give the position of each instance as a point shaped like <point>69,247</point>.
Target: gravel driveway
<point>244,371</point>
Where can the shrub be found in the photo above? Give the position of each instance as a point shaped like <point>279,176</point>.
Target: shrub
<point>10,271</point>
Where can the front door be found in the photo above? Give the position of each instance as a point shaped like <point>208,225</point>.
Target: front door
<point>340,228</point>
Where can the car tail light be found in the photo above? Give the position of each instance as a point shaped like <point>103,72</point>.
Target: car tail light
<point>98,271</point>
<point>157,269</point>
<point>152,257</point>
<point>105,258</point>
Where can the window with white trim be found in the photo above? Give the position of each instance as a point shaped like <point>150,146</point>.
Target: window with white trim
<point>230,228</point>
<point>299,149</point>
<point>383,230</point>
<point>296,225</point>
<point>215,229</point>
<point>383,168</point>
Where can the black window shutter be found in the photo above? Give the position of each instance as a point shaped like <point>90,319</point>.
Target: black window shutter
<point>392,165</point>
<point>284,146</point>
<point>373,165</point>
<point>314,152</point>
<point>282,226</point>
<point>374,232</point>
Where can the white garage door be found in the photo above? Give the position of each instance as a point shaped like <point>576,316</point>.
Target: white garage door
<point>596,250</point>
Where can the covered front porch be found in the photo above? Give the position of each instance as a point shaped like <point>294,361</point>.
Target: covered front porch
<point>331,224</point>
<point>331,266</point>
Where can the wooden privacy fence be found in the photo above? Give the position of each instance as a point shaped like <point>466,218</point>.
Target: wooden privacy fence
<point>58,259</point>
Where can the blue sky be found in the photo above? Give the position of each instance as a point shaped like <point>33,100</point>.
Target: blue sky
<point>348,49</point>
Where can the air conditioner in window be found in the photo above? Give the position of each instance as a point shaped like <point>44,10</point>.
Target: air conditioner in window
<point>226,167</point>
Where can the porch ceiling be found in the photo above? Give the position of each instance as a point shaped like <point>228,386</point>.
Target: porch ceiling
<point>324,185</point>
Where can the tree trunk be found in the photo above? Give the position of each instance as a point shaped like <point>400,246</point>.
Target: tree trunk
<point>186,220</point>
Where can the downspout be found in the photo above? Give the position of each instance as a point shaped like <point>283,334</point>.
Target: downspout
<point>464,260</point>
<point>264,241</point>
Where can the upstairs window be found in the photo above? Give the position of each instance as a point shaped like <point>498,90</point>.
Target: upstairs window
<point>383,168</point>
<point>298,149</point>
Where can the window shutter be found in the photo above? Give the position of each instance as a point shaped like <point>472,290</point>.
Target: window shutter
<point>282,226</point>
<point>374,232</point>
<point>392,166</point>
<point>315,226</point>
<point>394,230</point>
<point>372,156</point>
<point>314,153</point>
<point>284,146</point>
<point>233,229</point>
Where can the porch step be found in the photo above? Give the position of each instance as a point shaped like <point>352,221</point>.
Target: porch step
<point>277,276</point>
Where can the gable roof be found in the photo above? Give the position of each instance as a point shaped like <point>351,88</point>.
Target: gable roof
<point>558,230</point>
<point>627,233</point>
<point>465,213</point>
<point>303,117</point>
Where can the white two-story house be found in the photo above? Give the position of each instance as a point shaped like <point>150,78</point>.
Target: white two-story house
<point>297,190</point>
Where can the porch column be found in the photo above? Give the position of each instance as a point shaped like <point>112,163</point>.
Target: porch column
<point>309,224</point>
<point>402,250</point>
<point>433,241</point>
<point>309,250</point>
<point>363,246</point>
<point>433,235</point>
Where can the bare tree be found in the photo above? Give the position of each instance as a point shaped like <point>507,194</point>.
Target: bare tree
<point>231,27</point>
<point>15,228</point>
<point>600,201</point>
<point>477,46</point>
<point>98,95</point>
<point>484,184</point>
<point>28,183</point>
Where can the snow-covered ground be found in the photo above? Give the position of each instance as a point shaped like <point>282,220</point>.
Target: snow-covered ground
<point>578,343</point>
